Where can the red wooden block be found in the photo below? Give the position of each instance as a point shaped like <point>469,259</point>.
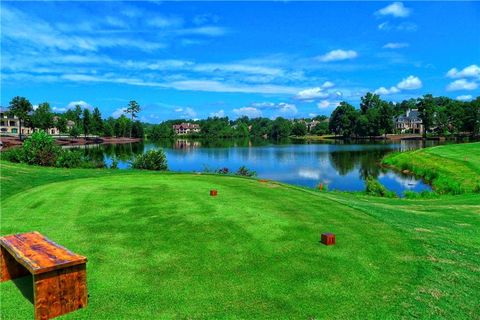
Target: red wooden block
<point>328,239</point>
<point>213,193</point>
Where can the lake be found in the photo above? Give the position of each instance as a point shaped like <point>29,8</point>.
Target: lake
<point>336,164</point>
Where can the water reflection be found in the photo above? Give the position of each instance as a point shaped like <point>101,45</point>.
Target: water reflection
<point>340,165</point>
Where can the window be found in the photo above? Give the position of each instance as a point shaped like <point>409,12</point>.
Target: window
<point>14,130</point>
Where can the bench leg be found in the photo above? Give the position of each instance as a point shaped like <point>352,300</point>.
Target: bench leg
<point>60,291</point>
<point>9,267</point>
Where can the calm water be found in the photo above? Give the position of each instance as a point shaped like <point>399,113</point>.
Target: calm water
<point>339,165</point>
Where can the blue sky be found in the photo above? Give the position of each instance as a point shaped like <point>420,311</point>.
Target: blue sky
<point>199,59</point>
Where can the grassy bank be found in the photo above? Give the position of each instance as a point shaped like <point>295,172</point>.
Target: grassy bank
<point>453,169</point>
<point>160,247</point>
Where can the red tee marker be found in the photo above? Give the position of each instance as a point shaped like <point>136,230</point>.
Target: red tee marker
<point>213,193</point>
<point>328,239</point>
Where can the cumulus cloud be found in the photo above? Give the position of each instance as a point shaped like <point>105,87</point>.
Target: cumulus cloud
<point>395,45</point>
<point>315,93</point>
<point>465,97</point>
<point>250,112</point>
<point>81,103</point>
<point>165,22</point>
<point>396,9</point>
<point>117,113</point>
<point>338,55</point>
<point>410,83</point>
<point>186,112</point>
<point>287,108</point>
<point>472,71</point>
<point>326,103</point>
<point>219,114</point>
<point>462,84</point>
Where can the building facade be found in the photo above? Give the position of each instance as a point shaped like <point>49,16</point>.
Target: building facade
<point>10,125</point>
<point>186,128</point>
<point>410,122</point>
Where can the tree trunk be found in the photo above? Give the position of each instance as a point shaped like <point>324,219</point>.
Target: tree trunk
<point>20,129</point>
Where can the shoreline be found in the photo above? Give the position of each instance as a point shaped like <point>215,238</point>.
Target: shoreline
<point>11,142</point>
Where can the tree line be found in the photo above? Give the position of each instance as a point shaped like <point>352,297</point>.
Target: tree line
<point>441,116</point>
<point>77,121</point>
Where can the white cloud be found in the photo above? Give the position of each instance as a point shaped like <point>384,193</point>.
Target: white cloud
<point>462,84</point>
<point>328,84</point>
<point>81,103</point>
<point>250,112</point>
<point>396,45</point>
<point>117,113</point>
<point>404,26</point>
<point>338,55</point>
<point>241,68</point>
<point>466,97</point>
<point>472,71</point>
<point>326,103</point>
<point>385,91</point>
<point>165,22</point>
<point>396,9</point>
<point>311,94</point>
<point>186,112</point>
<point>410,83</point>
<point>219,114</point>
<point>211,31</point>
<point>287,108</point>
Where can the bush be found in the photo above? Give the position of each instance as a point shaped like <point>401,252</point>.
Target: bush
<point>70,159</point>
<point>39,149</point>
<point>151,160</point>
<point>375,188</point>
<point>224,170</point>
<point>13,155</point>
<point>114,164</point>
<point>244,171</point>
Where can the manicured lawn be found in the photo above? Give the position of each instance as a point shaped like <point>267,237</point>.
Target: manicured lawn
<point>160,247</point>
<point>452,169</point>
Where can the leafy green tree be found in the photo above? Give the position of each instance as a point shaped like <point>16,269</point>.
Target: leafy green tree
<point>86,122</point>
<point>242,130</point>
<point>261,127</point>
<point>320,129</point>
<point>281,128</point>
<point>20,107</point>
<point>74,131</point>
<point>343,120</point>
<point>97,122</point>
<point>61,124</point>
<point>137,130</point>
<point>42,117</point>
<point>299,129</point>
<point>133,109</point>
<point>386,112</point>
<point>426,109</point>
<point>471,118</point>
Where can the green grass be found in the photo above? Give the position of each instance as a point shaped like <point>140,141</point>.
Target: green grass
<point>451,169</point>
<point>160,247</point>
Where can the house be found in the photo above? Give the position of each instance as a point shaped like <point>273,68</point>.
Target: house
<point>186,128</point>
<point>9,125</point>
<point>409,123</point>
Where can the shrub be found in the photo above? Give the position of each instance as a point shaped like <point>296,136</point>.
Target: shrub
<point>375,188</point>
<point>13,155</point>
<point>114,164</point>
<point>151,160</point>
<point>40,149</point>
<point>244,171</point>
<point>70,159</point>
<point>224,170</point>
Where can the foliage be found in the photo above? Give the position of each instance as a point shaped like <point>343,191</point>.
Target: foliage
<point>163,130</point>
<point>374,188</point>
<point>244,171</point>
<point>114,164</point>
<point>299,129</point>
<point>223,170</point>
<point>343,120</point>
<point>20,107</point>
<point>42,117</point>
<point>74,131</point>
<point>61,124</point>
<point>70,159</point>
<point>86,122</point>
<point>281,128</point>
<point>151,160</point>
<point>40,149</point>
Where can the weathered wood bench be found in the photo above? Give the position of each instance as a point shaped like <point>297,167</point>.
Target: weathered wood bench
<point>59,275</point>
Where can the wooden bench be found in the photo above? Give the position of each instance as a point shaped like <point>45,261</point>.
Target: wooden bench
<point>59,275</point>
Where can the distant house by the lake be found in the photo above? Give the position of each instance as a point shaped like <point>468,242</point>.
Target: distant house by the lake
<point>186,128</point>
<point>410,122</point>
<point>9,125</point>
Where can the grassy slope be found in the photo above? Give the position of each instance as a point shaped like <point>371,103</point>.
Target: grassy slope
<point>452,169</point>
<point>160,247</point>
